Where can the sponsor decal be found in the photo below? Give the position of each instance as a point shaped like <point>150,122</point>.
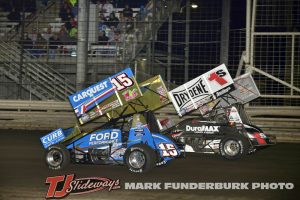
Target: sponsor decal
<point>89,92</point>
<point>103,138</point>
<point>52,138</point>
<point>161,163</point>
<point>122,81</point>
<point>104,95</point>
<point>218,77</point>
<point>62,186</point>
<point>201,90</point>
<point>224,91</point>
<point>202,129</point>
<point>183,97</point>
<point>163,95</point>
<point>168,150</point>
<point>130,94</point>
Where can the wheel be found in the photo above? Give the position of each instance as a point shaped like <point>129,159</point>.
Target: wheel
<point>140,158</point>
<point>233,147</point>
<point>57,157</point>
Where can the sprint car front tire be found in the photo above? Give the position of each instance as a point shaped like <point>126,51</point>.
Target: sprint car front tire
<point>57,157</point>
<point>233,147</point>
<point>140,158</point>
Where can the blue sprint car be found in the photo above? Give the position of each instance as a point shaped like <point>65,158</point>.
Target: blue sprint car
<point>129,140</point>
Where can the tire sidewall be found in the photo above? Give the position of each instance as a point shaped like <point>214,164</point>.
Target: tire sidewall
<point>148,153</point>
<point>65,157</point>
<point>243,146</point>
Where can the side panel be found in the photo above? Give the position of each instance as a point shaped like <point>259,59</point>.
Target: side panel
<point>166,147</point>
<point>98,139</point>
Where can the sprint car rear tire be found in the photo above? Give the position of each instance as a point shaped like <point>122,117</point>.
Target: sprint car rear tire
<point>57,157</point>
<point>233,147</point>
<point>140,158</point>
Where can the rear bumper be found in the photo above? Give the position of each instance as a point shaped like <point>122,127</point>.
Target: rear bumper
<point>269,140</point>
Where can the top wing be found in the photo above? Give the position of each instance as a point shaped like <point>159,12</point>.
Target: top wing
<point>202,90</point>
<point>154,96</point>
<point>244,92</point>
<point>104,96</point>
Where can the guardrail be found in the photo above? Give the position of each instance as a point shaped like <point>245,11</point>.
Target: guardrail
<point>284,122</point>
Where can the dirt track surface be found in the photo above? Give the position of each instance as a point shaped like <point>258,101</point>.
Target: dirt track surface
<point>23,173</point>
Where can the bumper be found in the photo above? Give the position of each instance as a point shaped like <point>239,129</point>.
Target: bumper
<point>261,142</point>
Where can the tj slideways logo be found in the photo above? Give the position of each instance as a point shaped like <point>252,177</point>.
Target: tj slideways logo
<point>62,186</point>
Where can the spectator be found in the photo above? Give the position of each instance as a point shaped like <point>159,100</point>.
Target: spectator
<point>107,8</point>
<point>64,35</point>
<point>102,38</point>
<point>14,16</point>
<point>63,12</point>
<point>102,21</point>
<point>69,19</point>
<point>127,12</point>
<point>112,20</point>
<point>118,38</point>
<point>54,46</point>
<point>64,38</point>
<point>27,42</point>
<point>142,13</point>
<point>48,34</point>
<point>75,10</point>
<point>111,34</point>
<point>33,35</point>
<point>128,17</point>
<point>40,46</point>
<point>73,32</point>
<point>100,5</point>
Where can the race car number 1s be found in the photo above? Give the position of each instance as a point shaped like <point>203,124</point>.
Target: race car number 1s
<point>218,77</point>
<point>168,150</point>
<point>122,81</point>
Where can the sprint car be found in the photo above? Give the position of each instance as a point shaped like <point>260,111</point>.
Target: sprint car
<point>124,141</point>
<point>226,131</point>
<point>222,126</point>
<point>129,136</point>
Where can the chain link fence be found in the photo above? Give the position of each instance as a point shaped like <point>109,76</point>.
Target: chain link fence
<point>44,39</point>
<point>275,51</point>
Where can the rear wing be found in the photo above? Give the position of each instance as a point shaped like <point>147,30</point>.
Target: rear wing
<point>212,89</point>
<point>154,96</point>
<point>202,90</point>
<point>119,95</point>
<point>104,96</point>
<point>245,91</point>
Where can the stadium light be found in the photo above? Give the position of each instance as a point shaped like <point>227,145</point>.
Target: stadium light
<point>193,5</point>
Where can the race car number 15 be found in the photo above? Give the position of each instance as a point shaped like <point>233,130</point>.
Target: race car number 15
<point>122,82</point>
<point>168,150</point>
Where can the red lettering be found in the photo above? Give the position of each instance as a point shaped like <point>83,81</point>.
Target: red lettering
<point>215,77</point>
<point>53,181</point>
<point>62,193</point>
